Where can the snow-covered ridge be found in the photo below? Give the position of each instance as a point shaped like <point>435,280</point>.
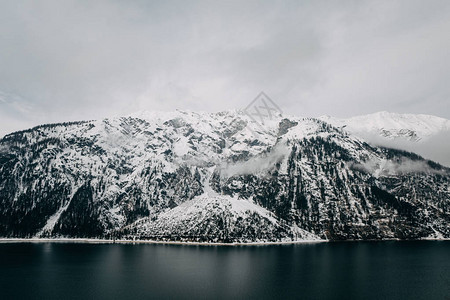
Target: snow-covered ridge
<point>426,135</point>
<point>414,127</point>
<point>214,177</point>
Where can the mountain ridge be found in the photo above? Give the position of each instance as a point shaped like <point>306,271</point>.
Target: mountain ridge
<point>215,177</point>
<point>415,127</point>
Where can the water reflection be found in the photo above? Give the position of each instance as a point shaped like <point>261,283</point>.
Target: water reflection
<point>371,270</point>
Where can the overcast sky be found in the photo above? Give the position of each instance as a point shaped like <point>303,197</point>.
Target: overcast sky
<point>76,60</point>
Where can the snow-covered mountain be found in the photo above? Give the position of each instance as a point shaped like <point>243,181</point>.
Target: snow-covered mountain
<point>410,127</point>
<point>426,135</point>
<point>215,177</point>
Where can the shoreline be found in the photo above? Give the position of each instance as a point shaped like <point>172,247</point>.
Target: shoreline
<point>122,241</point>
<point>154,242</point>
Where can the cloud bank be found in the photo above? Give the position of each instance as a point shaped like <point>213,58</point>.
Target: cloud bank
<point>395,167</point>
<point>258,164</point>
<point>76,60</point>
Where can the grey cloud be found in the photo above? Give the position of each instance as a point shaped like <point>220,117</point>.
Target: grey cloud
<point>261,164</point>
<point>391,167</point>
<point>90,59</point>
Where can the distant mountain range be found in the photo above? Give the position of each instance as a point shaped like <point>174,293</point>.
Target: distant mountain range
<point>222,177</point>
<point>424,134</point>
<point>392,125</point>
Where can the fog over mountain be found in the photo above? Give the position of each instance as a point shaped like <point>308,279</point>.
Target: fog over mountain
<point>426,135</point>
<point>201,149</point>
<point>191,164</point>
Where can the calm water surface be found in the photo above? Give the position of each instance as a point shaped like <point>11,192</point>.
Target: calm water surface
<point>362,270</point>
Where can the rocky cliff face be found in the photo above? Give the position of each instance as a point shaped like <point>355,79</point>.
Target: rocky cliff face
<point>215,177</point>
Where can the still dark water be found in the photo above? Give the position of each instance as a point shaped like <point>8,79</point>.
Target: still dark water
<point>353,270</point>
